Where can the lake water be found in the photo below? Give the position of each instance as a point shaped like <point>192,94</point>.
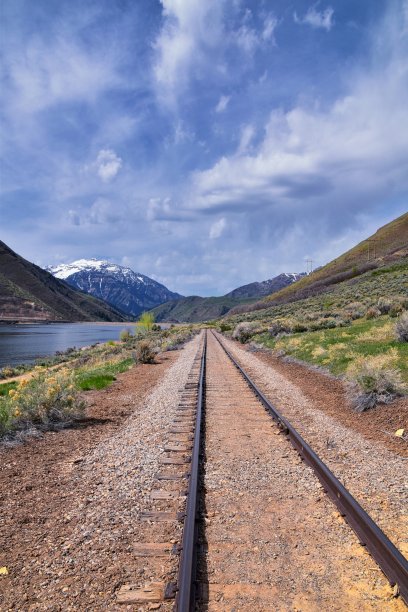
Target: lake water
<point>26,343</point>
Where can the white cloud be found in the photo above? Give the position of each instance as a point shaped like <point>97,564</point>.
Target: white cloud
<point>158,209</point>
<point>270,25</point>
<point>189,27</point>
<point>44,75</point>
<point>247,134</point>
<point>332,162</point>
<point>195,39</point>
<point>247,39</point>
<point>217,228</point>
<point>182,133</point>
<point>107,164</point>
<point>103,211</point>
<point>316,19</point>
<point>222,104</point>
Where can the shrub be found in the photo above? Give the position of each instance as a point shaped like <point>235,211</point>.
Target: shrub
<point>224,327</point>
<point>355,310</point>
<point>397,307</point>
<point>377,380</point>
<point>372,313</point>
<point>280,326</point>
<point>125,335</point>
<point>343,322</point>
<point>329,323</point>
<point>7,372</point>
<point>323,323</point>
<point>299,327</point>
<point>156,327</point>
<point>311,316</point>
<point>146,321</point>
<point>384,305</point>
<point>41,401</point>
<point>401,328</point>
<point>243,332</point>
<point>145,352</point>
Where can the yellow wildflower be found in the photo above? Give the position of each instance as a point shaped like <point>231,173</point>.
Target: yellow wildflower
<point>12,392</point>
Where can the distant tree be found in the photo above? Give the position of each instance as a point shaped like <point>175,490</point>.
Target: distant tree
<point>146,321</point>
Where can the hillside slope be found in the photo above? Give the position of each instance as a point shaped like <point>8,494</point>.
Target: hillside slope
<point>194,309</point>
<point>129,291</point>
<point>29,293</point>
<point>264,288</point>
<point>388,244</point>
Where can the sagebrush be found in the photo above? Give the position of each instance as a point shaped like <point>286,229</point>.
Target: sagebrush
<point>401,328</point>
<point>45,399</point>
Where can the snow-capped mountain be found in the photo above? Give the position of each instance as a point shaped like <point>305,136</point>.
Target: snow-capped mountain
<point>129,291</point>
<point>264,288</point>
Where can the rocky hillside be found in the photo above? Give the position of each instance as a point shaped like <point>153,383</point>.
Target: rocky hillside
<point>129,291</point>
<point>29,293</point>
<point>194,309</point>
<point>264,288</point>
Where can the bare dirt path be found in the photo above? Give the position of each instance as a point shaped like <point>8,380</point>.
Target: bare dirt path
<point>374,473</point>
<point>71,501</point>
<point>273,540</point>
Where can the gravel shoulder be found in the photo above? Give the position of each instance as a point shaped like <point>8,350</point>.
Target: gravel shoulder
<point>71,501</point>
<point>373,471</point>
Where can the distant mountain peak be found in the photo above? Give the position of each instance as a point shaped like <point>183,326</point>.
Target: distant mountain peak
<point>131,292</point>
<point>66,270</point>
<point>264,288</point>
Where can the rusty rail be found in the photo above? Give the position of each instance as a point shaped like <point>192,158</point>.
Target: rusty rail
<point>185,597</point>
<point>388,557</point>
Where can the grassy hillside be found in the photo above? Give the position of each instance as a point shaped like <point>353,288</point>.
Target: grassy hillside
<point>389,244</point>
<point>351,329</point>
<point>28,293</point>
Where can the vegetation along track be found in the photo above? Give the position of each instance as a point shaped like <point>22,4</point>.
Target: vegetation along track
<point>252,538</point>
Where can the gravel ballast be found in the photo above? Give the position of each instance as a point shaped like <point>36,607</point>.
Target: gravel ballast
<point>375,476</point>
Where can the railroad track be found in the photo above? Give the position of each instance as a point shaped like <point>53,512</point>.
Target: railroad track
<point>236,511</point>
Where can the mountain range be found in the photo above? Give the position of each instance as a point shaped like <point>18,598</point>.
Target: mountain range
<point>264,288</point>
<point>126,290</point>
<point>194,309</point>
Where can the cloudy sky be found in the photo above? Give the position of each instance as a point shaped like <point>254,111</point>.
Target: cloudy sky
<point>207,144</point>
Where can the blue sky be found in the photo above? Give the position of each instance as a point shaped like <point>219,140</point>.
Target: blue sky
<point>205,144</point>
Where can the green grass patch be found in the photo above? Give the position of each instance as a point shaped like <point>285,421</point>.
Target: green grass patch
<point>398,267</point>
<point>103,376</point>
<point>335,349</point>
<point>6,387</point>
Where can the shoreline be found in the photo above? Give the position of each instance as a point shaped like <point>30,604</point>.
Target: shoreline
<point>37,322</point>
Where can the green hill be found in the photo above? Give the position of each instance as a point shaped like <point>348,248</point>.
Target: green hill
<point>194,309</point>
<point>389,244</point>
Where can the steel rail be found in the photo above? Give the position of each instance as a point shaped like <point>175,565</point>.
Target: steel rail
<point>185,597</point>
<point>388,557</point>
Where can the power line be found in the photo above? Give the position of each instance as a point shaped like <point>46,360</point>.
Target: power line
<point>309,266</point>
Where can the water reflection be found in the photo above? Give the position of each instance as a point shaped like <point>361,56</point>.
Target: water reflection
<point>26,343</point>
